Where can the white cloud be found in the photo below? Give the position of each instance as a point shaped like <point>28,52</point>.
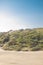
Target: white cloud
<point>8,22</point>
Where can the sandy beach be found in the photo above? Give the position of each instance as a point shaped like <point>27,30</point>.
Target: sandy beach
<point>21,58</point>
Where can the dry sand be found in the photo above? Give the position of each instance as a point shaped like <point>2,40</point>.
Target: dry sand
<point>21,58</point>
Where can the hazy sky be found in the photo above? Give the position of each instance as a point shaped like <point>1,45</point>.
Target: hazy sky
<point>17,14</point>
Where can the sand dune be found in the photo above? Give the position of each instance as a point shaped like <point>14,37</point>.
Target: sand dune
<point>21,58</point>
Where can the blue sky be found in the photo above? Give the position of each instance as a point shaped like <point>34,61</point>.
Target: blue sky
<point>17,14</point>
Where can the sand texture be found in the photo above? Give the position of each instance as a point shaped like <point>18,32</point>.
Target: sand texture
<point>21,58</point>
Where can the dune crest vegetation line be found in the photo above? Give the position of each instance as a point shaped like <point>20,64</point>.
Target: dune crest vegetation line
<point>22,40</point>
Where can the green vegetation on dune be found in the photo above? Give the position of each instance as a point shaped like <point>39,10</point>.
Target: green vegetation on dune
<point>22,40</point>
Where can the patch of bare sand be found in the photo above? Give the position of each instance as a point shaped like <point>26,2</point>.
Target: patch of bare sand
<point>21,58</point>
